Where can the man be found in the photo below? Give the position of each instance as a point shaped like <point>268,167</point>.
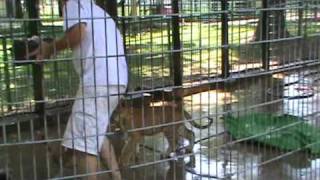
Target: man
<point>100,62</point>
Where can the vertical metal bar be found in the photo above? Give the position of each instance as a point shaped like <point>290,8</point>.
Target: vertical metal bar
<point>37,69</point>
<point>21,169</point>
<point>123,23</point>
<point>300,26</point>
<point>144,8</point>
<point>56,76</point>
<point>33,12</point>
<point>300,20</point>
<point>9,8</point>
<point>60,6</point>
<point>177,61</point>
<point>111,8</point>
<point>265,46</point>
<point>6,73</point>
<point>225,39</point>
<point>18,9</point>
<point>170,46</point>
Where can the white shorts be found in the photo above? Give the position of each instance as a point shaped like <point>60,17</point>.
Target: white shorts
<point>90,116</point>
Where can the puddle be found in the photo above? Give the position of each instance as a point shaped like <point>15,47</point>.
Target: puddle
<point>299,96</point>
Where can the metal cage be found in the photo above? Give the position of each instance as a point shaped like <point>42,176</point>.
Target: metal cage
<point>217,90</point>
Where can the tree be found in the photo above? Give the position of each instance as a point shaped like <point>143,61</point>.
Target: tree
<point>276,20</point>
<point>134,8</point>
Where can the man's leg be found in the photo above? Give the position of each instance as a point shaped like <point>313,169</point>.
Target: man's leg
<point>107,150</point>
<point>87,113</point>
<point>108,156</point>
<point>83,162</point>
<point>87,164</point>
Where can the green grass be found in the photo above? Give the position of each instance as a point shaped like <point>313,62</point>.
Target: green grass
<point>201,43</point>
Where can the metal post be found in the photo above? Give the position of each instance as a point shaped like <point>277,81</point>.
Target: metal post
<point>10,8</point>
<point>6,73</point>
<point>300,30</point>
<point>265,46</point>
<point>60,6</point>
<point>170,46</point>
<point>19,12</point>
<point>300,18</point>
<point>37,69</point>
<point>177,61</point>
<point>110,6</point>
<point>144,8</point>
<point>123,23</point>
<point>225,39</point>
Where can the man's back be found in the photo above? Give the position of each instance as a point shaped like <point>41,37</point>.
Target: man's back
<point>101,51</point>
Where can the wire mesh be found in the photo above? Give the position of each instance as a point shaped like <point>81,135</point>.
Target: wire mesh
<point>193,64</point>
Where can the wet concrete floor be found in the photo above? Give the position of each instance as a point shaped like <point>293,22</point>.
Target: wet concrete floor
<point>296,94</point>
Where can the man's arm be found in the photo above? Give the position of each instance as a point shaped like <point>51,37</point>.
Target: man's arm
<point>71,39</point>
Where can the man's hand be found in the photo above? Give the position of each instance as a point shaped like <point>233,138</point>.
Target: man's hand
<point>72,39</point>
<point>45,51</point>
